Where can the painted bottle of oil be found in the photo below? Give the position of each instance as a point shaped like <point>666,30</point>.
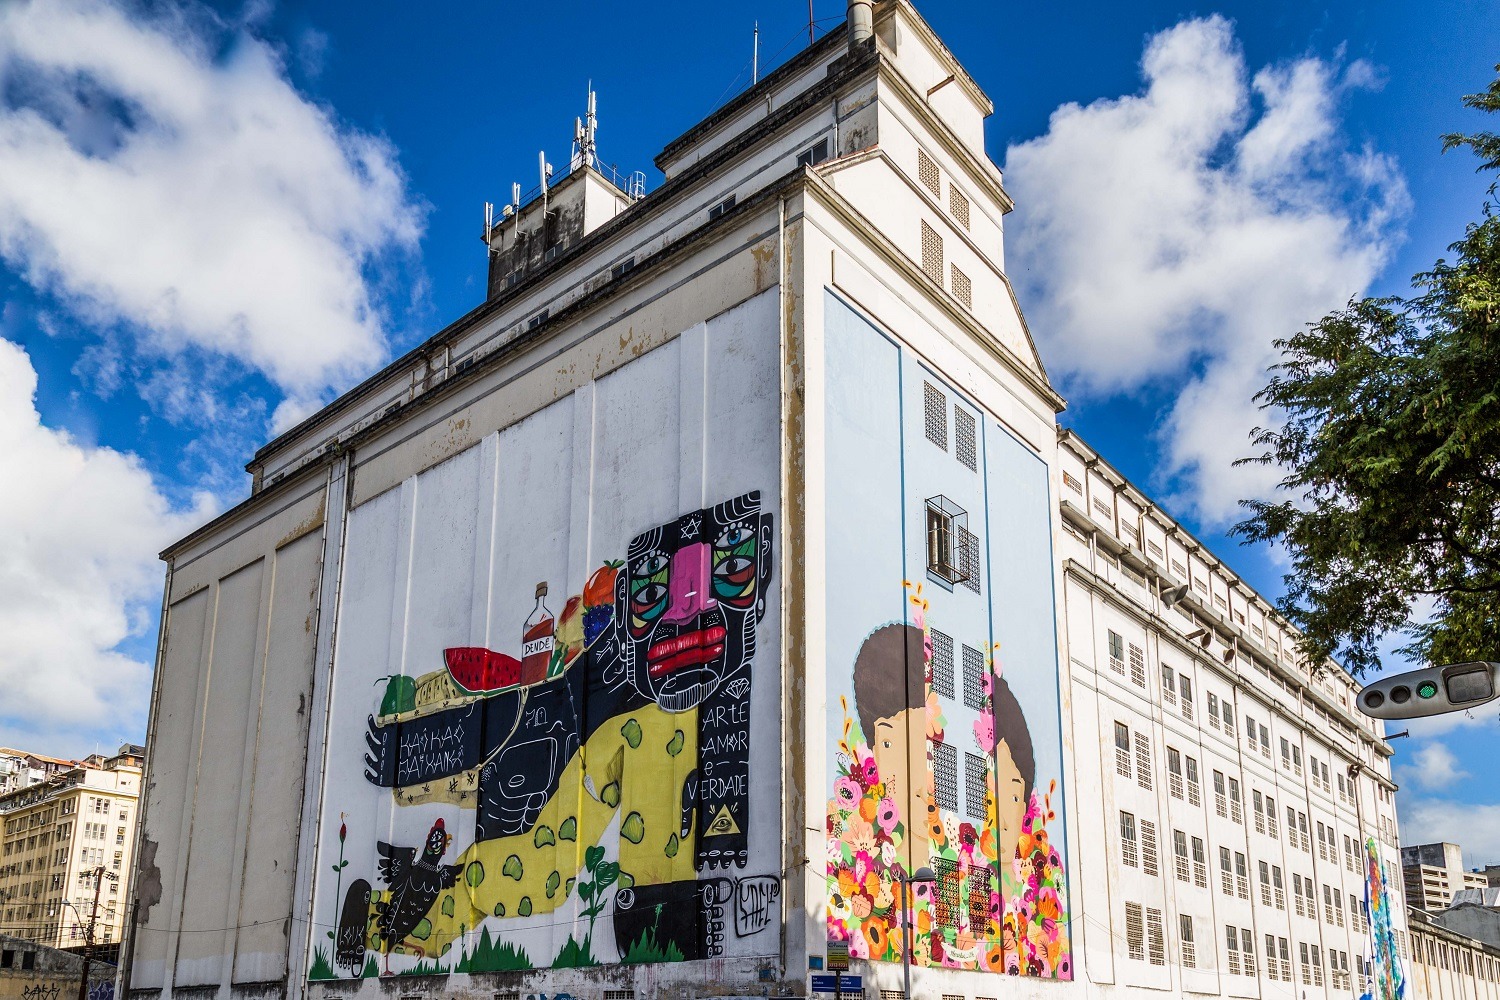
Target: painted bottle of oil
<point>537,640</point>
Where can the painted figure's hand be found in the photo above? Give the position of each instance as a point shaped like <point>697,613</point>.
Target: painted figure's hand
<point>380,761</point>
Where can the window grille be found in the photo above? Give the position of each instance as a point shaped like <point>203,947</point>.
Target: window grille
<point>1221,802</point>
<point>932,253</point>
<point>1200,863</point>
<point>945,775</point>
<point>1137,666</point>
<point>1247,951</point>
<point>942,663</point>
<point>1226,873</point>
<point>1149,857</point>
<point>1180,856</point>
<point>979,901</point>
<point>1235,812</point>
<point>1129,853</point>
<point>974,785</point>
<point>1117,653</point>
<point>1155,937</point>
<point>1232,949</point>
<point>973,679</point>
<point>1185,691</point>
<point>1280,887</point>
<point>1122,750</point>
<point>946,523</point>
<point>935,414</point>
<point>1103,510</point>
<point>1265,883</point>
<point>968,560</point>
<point>1228,719</point>
<point>814,154</point>
<point>1143,761</point>
<point>1189,946</point>
<point>946,892</point>
<point>1213,710</point>
<point>1259,802</point>
<point>1193,785</point>
<point>1303,963</point>
<point>721,208</point>
<point>1072,484</point>
<point>1135,932</point>
<point>958,206</point>
<point>927,173</point>
<point>1174,773</point>
<point>963,288</point>
<point>966,438</point>
<point>1168,685</point>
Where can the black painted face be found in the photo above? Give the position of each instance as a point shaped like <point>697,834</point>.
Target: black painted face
<point>690,597</point>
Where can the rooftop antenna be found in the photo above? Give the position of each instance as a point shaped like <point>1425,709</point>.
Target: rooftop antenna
<point>514,209</point>
<point>810,22</point>
<point>755,58</point>
<point>489,224</point>
<point>545,169</point>
<point>585,130</point>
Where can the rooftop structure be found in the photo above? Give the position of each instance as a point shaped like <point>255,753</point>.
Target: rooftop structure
<point>1434,873</point>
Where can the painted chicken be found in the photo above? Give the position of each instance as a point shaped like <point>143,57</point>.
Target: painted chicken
<point>414,885</point>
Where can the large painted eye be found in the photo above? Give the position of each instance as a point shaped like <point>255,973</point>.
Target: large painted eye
<point>735,534</point>
<point>649,565</point>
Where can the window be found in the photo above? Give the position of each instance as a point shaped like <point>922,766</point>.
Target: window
<point>1129,852</point>
<point>1149,858</point>
<point>958,206</point>
<point>1189,946</point>
<point>974,785</point>
<point>1117,653</point>
<point>942,663</point>
<point>1286,959</point>
<point>1291,826</point>
<point>927,173</point>
<point>721,208</point>
<point>1271,956</point>
<point>1302,963</point>
<point>1259,802</point>
<point>28,961</point>
<point>814,154</point>
<point>1265,882</point>
<point>1279,886</point>
<point>1286,755</point>
<point>932,253</point>
<point>1122,750</point>
<point>1072,484</point>
<point>538,319</point>
<point>1271,817</point>
<point>1174,772</point>
<point>1185,691</point>
<point>1247,951</point>
<point>1213,710</point>
<point>1221,802</point>
<point>1143,761</point>
<point>1168,685</point>
<point>1137,666</point>
<point>1226,873</point>
<point>1135,933</point>
<point>1228,719</point>
<point>1302,832</point>
<point>1235,812</point>
<point>1250,737</point>
<point>1180,855</point>
<point>946,522</point>
<point>965,438</point>
<point>935,414</point>
<point>963,288</point>
<point>968,559</point>
<point>1265,742</point>
<point>973,680</point>
<point>1156,940</point>
<point>1232,949</point>
<point>1193,785</point>
<point>945,775</point>
<point>1200,863</point>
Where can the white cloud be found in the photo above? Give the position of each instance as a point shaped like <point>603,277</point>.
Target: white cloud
<point>1474,827</point>
<point>1162,240</point>
<point>1433,767</point>
<point>79,531</point>
<point>162,171</point>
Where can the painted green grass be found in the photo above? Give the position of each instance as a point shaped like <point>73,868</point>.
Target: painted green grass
<point>575,955</point>
<point>320,968</point>
<point>424,968</point>
<point>646,950</point>
<point>491,956</point>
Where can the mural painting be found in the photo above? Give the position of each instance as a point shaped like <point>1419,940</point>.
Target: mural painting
<point>999,902</point>
<point>598,782</point>
<point>1384,979</point>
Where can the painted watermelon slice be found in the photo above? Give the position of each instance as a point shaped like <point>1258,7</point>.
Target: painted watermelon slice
<point>482,671</point>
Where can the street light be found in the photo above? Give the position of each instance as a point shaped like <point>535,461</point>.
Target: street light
<point>923,875</point>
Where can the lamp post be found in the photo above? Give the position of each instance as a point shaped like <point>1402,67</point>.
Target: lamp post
<point>921,875</point>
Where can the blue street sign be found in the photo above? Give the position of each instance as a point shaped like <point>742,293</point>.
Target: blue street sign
<point>849,984</point>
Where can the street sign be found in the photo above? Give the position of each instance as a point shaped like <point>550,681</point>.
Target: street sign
<point>1433,691</point>
<point>845,984</point>
<point>838,956</point>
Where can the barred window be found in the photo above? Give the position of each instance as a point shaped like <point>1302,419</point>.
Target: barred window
<point>974,785</point>
<point>1149,858</point>
<point>1168,685</point>
<point>1180,854</point>
<point>1117,653</point>
<point>1241,876</point>
<point>968,560</point>
<point>1122,750</point>
<point>1072,484</point>
<point>1226,873</point>
<point>946,892</point>
<point>935,414</point>
<point>1135,931</point>
<point>1189,946</point>
<point>979,900</point>
<point>932,253</point>
<point>1200,863</point>
<point>974,679</point>
<point>927,173</point>
<point>1137,666</point>
<point>1155,938</point>
<point>945,775</point>
<point>1232,948</point>
<point>1193,785</point>
<point>966,438</point>
<point>942,663</point>
<point>963,288</point>
<point>958,205</point>
<point>1247,950</point>
<point>1143,761</point>
<point>1129,853</point>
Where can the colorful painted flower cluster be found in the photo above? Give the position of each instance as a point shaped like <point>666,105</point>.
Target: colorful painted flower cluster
<point>1035,932</point>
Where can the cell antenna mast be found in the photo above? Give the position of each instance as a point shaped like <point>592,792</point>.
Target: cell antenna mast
<point>810,22</point>
<point>755,58</point>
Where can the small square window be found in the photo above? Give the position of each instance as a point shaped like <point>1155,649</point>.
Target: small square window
<point>946,523</point>
<point>814,154</point>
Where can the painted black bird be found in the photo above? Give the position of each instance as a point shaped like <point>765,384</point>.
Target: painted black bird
<point>414,885</point>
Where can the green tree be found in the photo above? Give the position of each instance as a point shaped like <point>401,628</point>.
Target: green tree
<point>1391,446</point>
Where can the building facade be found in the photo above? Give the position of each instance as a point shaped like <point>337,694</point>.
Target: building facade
<point>1448,965</point>
<point>1435,873</point>
<point>56,836</point>
<point>32,971</point>
<point>20,769</point>
<point>641,632</point>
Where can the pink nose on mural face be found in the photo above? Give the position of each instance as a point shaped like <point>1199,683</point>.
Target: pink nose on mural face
<point>688,589</point>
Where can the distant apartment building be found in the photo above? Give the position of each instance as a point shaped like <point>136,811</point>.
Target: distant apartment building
<point>20,769</point>
<point>1448,965</point>
<point>56,836</point>
<point>1433,873</point>
<point>1247,810</point>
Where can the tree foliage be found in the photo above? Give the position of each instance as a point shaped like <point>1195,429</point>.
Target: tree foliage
<point>1391,446</point>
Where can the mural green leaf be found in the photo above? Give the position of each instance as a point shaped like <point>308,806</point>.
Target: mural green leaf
<point>514,868</point>
<point>611,794</point>
<point>474,874</point>
<point>608,872</point>
<point>447,906</point>
<point>423,930</point>
<point>523,908</point>
<point>634,828</point>
<point>592,856</point>
<point>553,881</point>
<point>632,733</point>
<point>568,830</point>
<point>543,836</point>
<point>671,850</point>
<point>674,745</point>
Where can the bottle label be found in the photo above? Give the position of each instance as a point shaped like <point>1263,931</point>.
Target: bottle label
<point>537,647</point>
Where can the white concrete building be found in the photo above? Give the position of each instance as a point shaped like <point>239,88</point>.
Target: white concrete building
<point>639,632</point>
<point>1447,965</point>
<point>1434,874</point>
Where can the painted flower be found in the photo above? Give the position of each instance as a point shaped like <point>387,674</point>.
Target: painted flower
<point>846,882</point>
<point>967,835</point>
<point>862,905</point>
<point>868,773</point>
<point>887,815</point>
<point>858,947</point>
<point>950,827</point>
<point>885,897</point>
<point>984,733</point>
<point>847,793</point>
<point>887,853</point>
<point>877,936</point>
<point>862,836</point>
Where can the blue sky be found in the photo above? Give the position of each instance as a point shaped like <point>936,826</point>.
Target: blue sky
<point>213,217</point>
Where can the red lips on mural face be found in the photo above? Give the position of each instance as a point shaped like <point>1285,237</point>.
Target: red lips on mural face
<point>691,649</point>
